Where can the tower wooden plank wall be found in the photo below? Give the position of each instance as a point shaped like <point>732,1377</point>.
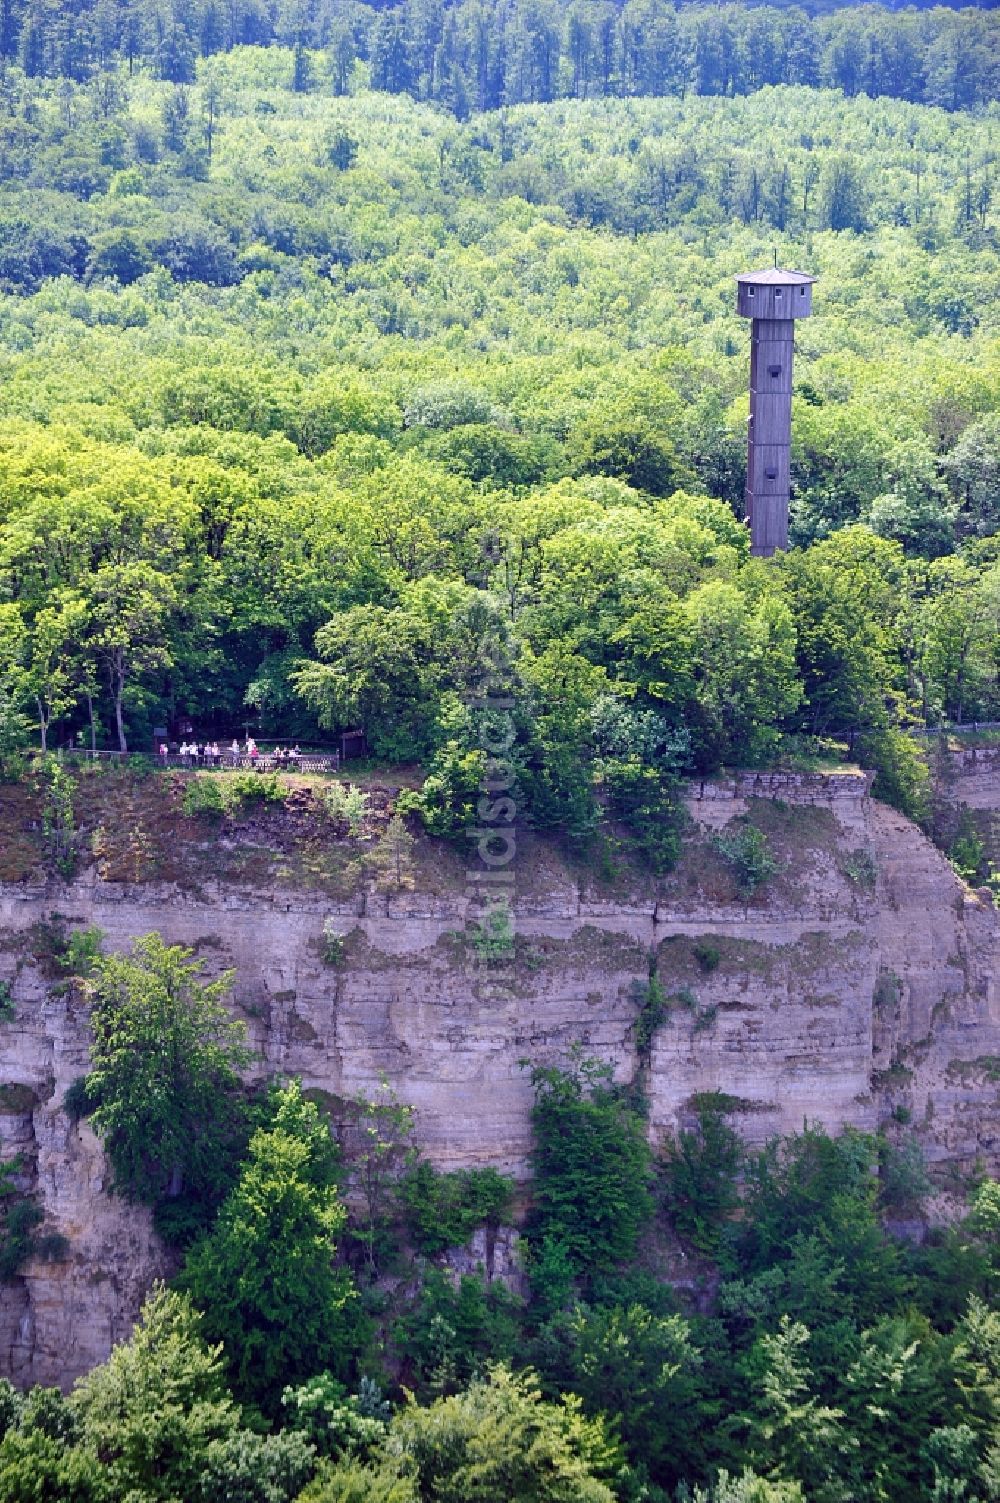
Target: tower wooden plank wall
<point>773,300</point>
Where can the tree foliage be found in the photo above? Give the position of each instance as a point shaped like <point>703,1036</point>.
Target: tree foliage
<point>165,1057</point>
<point>591,1168</point>
<point>264,1276</point>
<point>293,524</point>
<point>153,1409</point>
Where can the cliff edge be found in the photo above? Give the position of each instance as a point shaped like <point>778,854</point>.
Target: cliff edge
<point>857,986</point>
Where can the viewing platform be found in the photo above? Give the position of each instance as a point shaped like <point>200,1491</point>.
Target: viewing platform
<point>226,761</point>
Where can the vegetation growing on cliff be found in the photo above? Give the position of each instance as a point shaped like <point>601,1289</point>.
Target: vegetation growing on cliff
<point>344,382</point>
<point>264,1274</point>
<point>443,1210</point>
<point>816,1323</point>
<point>591,1171</point>
<point>164,1091</point>
<point>813,1356</point>
<point>20,1216</point>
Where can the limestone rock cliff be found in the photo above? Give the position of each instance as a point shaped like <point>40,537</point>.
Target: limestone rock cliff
<point>859,981</point>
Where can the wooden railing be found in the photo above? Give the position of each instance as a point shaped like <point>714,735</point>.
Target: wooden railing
<point>226,761</point>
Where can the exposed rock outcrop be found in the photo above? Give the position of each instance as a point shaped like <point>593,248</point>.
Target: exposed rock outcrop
<point>859,981</point>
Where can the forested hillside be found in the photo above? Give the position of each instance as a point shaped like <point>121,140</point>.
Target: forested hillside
<point>305,397</point>
<point>472,55</point>
<point>378,370</point>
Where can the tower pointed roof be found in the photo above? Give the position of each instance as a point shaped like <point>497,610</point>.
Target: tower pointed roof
<point>775,276</point>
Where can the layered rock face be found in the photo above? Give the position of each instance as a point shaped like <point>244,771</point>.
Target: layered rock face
<point>971,775</point>
<point>859,981</point>
<point>967,796</point>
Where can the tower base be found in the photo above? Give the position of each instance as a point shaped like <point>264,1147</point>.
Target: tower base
<point>767,517</point>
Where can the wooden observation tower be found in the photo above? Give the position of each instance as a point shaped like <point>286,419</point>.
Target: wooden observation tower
<point>773,299</point>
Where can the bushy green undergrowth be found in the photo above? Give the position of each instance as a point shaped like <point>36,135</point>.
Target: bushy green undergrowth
<point>861,868</point>
<point>591,1167</point>
<point>967,851</point>
<point>708,955</point>
<point>332,945</point>
<point>698,1180</point>
<point>83,949</point>
<point>216,794</point>
<point>493,939</point>
<point>79,1099</point>
<point>20,1214</point>
<point>164,1092</point>
<point>59,816</point>
<point>443,1210</point>
<point>346,805</point>
<point>653,1008</point>
<point>801,1302</point>
<point>747,852</point>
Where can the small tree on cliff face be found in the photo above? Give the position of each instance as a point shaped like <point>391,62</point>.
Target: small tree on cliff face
<point>165,1059</point>
<point>592,1168</point>
<point>392,857</point>
<point>264,1275</point>
<point>378,1151</point>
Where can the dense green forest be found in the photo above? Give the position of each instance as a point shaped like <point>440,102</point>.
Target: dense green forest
<point>328,406</point>
<point>307,1353</point>
<point>311,405</point>
<point>482,54</point>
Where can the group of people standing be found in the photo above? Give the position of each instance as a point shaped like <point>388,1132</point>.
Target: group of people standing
<point>210,754</point>
<point>203,753</point>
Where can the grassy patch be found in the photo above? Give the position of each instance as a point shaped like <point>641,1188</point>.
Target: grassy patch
<point>722,1101</point>
<point>795,835</point>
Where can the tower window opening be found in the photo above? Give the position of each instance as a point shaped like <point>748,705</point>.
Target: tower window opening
<point>774,370</point>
